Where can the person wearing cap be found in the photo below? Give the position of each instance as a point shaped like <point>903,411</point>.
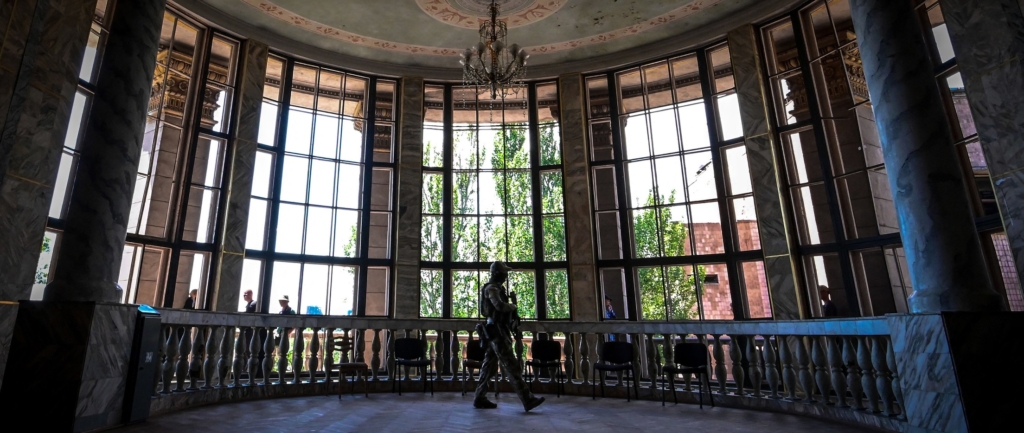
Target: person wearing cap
<point>500,314</point>
<point>285,308</point>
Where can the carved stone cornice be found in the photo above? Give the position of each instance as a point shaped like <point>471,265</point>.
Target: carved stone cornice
<point>170,90</point>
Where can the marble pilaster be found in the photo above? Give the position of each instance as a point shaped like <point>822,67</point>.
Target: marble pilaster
<point>947,268</point>
<point>43,44</point>
<point>410,200</point>
<point>578,221</point>
<point>72,359</point>
<point>988,37</point>
<point>235,218</point>
<point>8,314</point>
<point>98,209</point>
<point>773,221</point>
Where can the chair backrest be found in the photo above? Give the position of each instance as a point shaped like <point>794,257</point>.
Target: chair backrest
<point>474,352</point>
<point>546,350</point>
<point>617,352</point>
<point>342,344</point>
<point>409,348</point>
<point>691,354</point>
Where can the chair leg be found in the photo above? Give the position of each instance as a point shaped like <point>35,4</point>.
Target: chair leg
<point>602,378</point>
<point>593,386</point>
<point>629,383</point>
<point>712,397</point>
<point>399,384</point>
<point>700,391</point>
<point>366,385</point>
<point>340,375</point>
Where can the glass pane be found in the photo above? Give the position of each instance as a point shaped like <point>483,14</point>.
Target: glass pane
<point>315,281</point>
<point>286,283</point>
<point>256,232</point>
<point>385,100</point>
<point>433,194</point>
<point>556,282</point>
<point>383,142</point>
<point>252,281</point>
<point>759,303</point>
<point>433,103</point>
<point>785,98</point>
<point>550,144</point>
<point>961,106</point>
<point>682,291</point>
<point>306,78</point>
<point>676,238</point>
<point>802,161</point>
<point>693,123</point>
<point>729,123</point>
<point>464,148</point>
<point>520,239</point>
<point>92,49</point>
<point>465,195</point>
<point>65,171</point>
<point>291,219</point>
<point>1007,270</point>
<point>294,179</point>
<point>523,286</point>
<point>321,185</point>
<point>75,124</point>
<point>630,92</point>
<point>268,124</point>
<point>329,93</point>
<point>814,220</point>
<point>300,127</point>
<point>686,79</point>
<point>721,66</point>
<point>491,203</point>
<point>318,230</point>
<point>657,86</point>
<point>208,162</point>
<point>554,239</point>
<point>42,276</point>
<point>346,233</point>
<point>352,140</point>
<point>193,271</point>
<point>819,33</point>
<point>201,216</point>
<point>493,240</point>
<point>707,228</point>
<point>517,193</point>
<point>641,187</point>
<point>464,239</point>
<point>608,235</point>
<point>272,84</point>
<point>431,293</point>
<point>634,134</point>
<point>380,235</point>
<point>605,190</point>
<point>826,292</point>
<point>355,95</point>
<point>663,132</point>
<point>325,136</point>
<point>601,141</point>
<point>516,147</point>
<point>716,299</point>
<point>377,283</point>
<point>780,42</point>
<point>745,224</point>
<point>670,180</point>
<point>343,290</point>
<point>551,192</point>
<point>597,96</point>
<point>647,233</point>
<point>700,176</point>
<point>465,294</point>
<point>433,147</point>
<point>351,176</point>
<point>941,34</point>
<point>651,284</point>
<point>219,121</point>
<point>262,170</point>
<point>737,171</point>
<point>431,234</point>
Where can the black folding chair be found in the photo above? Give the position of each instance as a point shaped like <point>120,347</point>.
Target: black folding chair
<point>616,356</point>
<point>343,345</point>
<point>409,353</point>
<point>690,358</point>
<point>547,354</point>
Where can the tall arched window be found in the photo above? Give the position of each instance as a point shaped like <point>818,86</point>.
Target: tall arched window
<point>492,190</point>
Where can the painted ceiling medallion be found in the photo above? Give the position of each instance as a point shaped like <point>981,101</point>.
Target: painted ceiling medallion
<point>469,14</point>
<point>269,8</point>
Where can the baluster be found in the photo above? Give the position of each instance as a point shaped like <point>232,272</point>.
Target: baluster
<point>652,360</point>
<point>254,355</point>
<point>853,376</point>
<point>375,358</point>
<point>297,354</point>
<point>160,358</point>
<point>519,349</point>
<point>392,373</point>
<point>239,362</point>
<point>737,364</point>
<point>456,349</point>
<point>209,365</point>
<point>436,353</point>
<point>170,356</point>
<point>195,364</point>
<point>720,370</point>
<point>788,374</point>
<point>282,356</point>
<point>361,347</point>
<point>268,356</point>
<point>868,371</point>
<point>802,361</point>
<point>897,390</point>
<point>771,371</point>
<point>224,361</point>
<point>327,359</point>
<point>314,354</point>
<point>820,369</point>
<point>883,380</point>
<point>569,348</point>
<point>754,365</point>
<point>835,360</point>
<point>635,341</point>
<point>585,358</point>
<point>181,367</point>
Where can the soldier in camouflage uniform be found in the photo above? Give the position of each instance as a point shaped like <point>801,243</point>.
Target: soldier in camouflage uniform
<point>498,332</point>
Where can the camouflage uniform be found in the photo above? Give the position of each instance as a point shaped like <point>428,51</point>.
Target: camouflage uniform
<point>495,307</point>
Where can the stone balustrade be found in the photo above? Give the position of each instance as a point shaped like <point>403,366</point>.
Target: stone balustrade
<point>841,369</point>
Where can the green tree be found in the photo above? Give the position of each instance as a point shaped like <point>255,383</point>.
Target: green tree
<point>43,272</point>
<point>668,292</point>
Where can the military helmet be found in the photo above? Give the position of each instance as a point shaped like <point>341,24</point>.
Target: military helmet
<point>499,266</point>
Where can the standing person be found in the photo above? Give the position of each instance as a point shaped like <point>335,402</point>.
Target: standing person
<point>250,303</point>
<point>190,303</point>
<point>497,336</point>
<point>609,314</point>
<point>827,307</point>
<point>286,310</point>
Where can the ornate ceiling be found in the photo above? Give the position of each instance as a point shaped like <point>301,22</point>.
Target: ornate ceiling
<point>424,37</point>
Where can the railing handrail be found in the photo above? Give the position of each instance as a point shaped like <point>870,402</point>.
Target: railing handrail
<point>862,326</point>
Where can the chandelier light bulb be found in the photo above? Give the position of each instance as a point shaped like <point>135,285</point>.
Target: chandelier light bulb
<point>492,63</point>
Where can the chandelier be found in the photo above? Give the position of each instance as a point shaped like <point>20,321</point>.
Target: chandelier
<point>491,63</point>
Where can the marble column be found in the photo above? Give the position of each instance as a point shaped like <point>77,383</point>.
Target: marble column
<point>235,218</point>
<point>410,200</point>
<point>988,37</point>
<point>774,223</point>
<point>579,230</point>
<point>97,216</point>
<point>43,42</point>
<point>947,268</point>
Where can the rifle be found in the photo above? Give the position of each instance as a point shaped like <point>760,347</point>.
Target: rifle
<point>515,320</point>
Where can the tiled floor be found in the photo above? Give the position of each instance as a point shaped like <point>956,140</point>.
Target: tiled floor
<point>450,412</point>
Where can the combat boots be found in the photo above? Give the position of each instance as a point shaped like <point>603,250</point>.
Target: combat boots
<point>533,403</point>
<point>484,403</point>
